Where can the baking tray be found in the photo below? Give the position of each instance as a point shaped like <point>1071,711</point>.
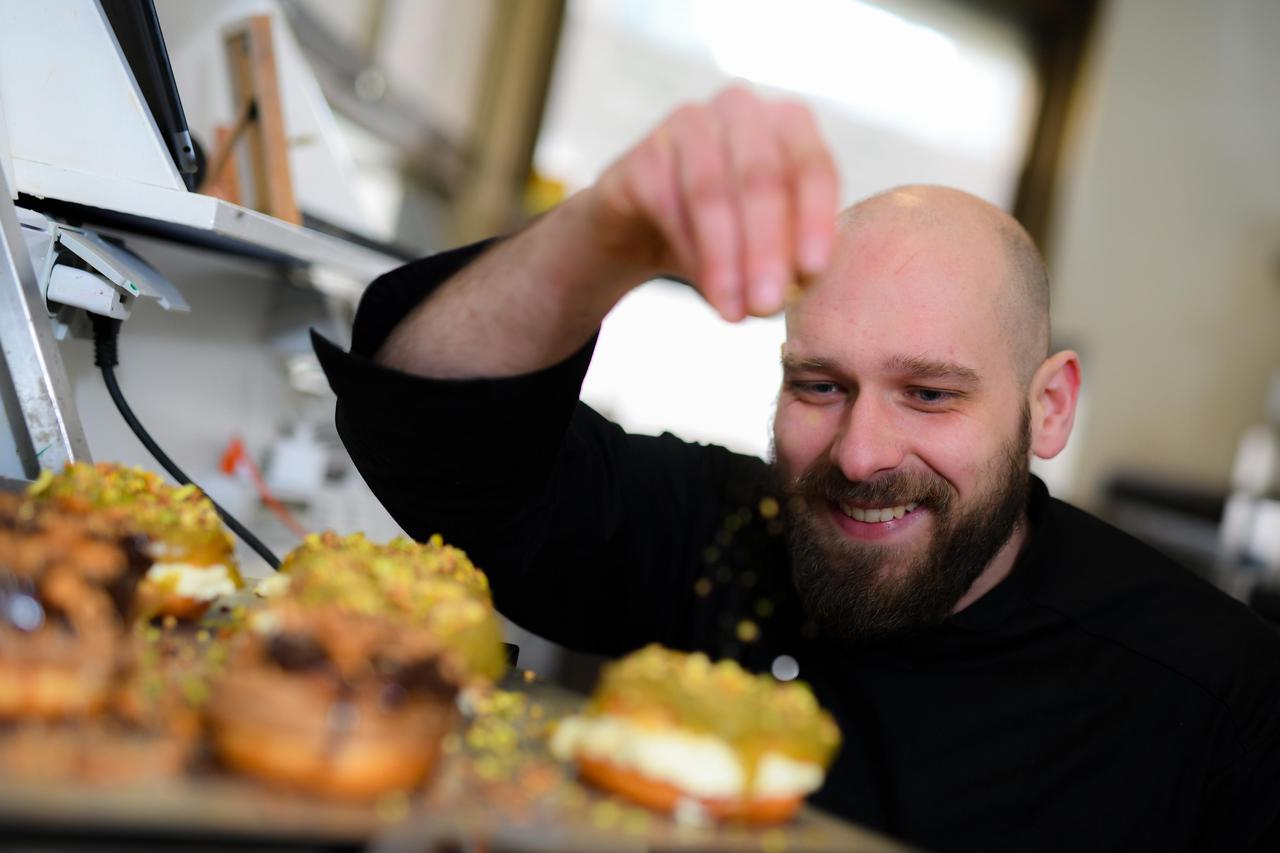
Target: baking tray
<point>496,789</point>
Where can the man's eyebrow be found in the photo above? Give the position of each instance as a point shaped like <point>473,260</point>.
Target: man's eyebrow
<point>913,366</point>
<point>795,364</point>
<point>927,368</point>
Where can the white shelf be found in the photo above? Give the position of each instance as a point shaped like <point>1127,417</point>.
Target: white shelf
<point>208,216</point>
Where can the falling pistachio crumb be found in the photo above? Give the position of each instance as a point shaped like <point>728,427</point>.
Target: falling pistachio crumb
<point>392,807</point>
<point>605,814</point>
<point>773,841</point>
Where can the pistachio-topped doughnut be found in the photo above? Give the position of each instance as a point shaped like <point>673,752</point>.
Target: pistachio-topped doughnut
<point>67,592</point>
<point>401,555</point>
<point>192,554</point>
<point>89,692</point>
<point>664,726</point>
<point>429,590</point>
<point>347,680</point>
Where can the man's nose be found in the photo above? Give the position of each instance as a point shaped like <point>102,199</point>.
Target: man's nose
<point>868,442</point>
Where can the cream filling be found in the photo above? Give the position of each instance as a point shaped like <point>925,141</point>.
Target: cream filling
<point>201,583</point>
<point>272,586</point>
<point>265,622</point>
<point>876,515</point>
<point>701,765</point>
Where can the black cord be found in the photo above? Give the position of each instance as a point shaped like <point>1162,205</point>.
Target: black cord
<point>106,331</point>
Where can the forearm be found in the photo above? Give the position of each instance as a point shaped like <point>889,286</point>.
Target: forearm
<point>737,196</point>
<point>527,303</point>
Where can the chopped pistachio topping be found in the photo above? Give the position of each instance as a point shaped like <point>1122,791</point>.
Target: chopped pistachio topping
<point>429,586</point>
<point>753,713</point>
<point>395,558</point>
<point>180,521</point>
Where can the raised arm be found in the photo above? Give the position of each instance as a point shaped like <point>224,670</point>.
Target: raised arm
<point>737,195</point>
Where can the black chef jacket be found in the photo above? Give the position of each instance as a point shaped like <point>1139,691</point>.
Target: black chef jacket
<point>1100,698</point>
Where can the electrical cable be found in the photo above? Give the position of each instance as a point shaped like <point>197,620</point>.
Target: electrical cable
<point>106,331</point>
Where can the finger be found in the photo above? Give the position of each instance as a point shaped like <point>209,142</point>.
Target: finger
<point>652,181</point>
<point>706,195</point>
<point>815,184</point>
<point>762,203</point>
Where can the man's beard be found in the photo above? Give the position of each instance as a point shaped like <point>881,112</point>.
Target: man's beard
<point>858,593</point>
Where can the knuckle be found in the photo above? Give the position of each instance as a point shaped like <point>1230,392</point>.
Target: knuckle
<point>706,187</point>
<point>663,205</point>
<point>818,169</point>
<point>736,95</point>
<point>760,179</point>
<point>796,114</point>
<point>648,156</point>
<point>688,117</point>
<point>707,195</point>
<point>793,109</point>
<point>636,175</point>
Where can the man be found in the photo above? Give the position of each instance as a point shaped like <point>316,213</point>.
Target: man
<point>1008,672</point>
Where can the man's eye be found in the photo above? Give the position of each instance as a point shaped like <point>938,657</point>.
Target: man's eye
<point>932,396</point>
<point>815,389</point>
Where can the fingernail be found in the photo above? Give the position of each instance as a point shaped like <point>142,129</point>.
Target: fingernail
<point>769,290</point>
<point>813,254</point>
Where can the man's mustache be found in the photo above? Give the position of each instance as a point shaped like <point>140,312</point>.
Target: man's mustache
<point>825,482</point>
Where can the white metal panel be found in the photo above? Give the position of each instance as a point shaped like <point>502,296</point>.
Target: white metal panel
<point>70,98</point>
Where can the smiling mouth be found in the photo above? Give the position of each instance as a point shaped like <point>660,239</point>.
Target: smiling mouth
<point>876,515</point>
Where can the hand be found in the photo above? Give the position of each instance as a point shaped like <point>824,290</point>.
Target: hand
<point>738,195</point>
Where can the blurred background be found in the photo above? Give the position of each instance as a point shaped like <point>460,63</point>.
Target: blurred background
<point>1136,139</point>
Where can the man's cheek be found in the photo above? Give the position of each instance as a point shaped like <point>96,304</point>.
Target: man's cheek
<point>802,434</point>
<point>964,461</point>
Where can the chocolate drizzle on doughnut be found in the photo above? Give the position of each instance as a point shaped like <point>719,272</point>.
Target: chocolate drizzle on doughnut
<point>423,676</point>
<point>64,569</point>
<point>296,652</point>
<point>123,589</point>
<point>299,652</point>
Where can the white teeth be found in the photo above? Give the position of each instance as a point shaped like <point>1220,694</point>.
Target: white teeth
<point>877,515</point>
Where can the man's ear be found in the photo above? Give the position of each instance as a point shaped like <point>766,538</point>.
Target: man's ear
<point>1055,388</point>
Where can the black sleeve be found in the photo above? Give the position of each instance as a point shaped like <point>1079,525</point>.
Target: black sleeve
<point>592,537</point>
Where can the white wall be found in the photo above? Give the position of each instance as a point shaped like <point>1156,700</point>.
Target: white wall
<point>1167,245</point>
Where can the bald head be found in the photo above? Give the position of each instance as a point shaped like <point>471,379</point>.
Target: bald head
<point>966,221</point>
